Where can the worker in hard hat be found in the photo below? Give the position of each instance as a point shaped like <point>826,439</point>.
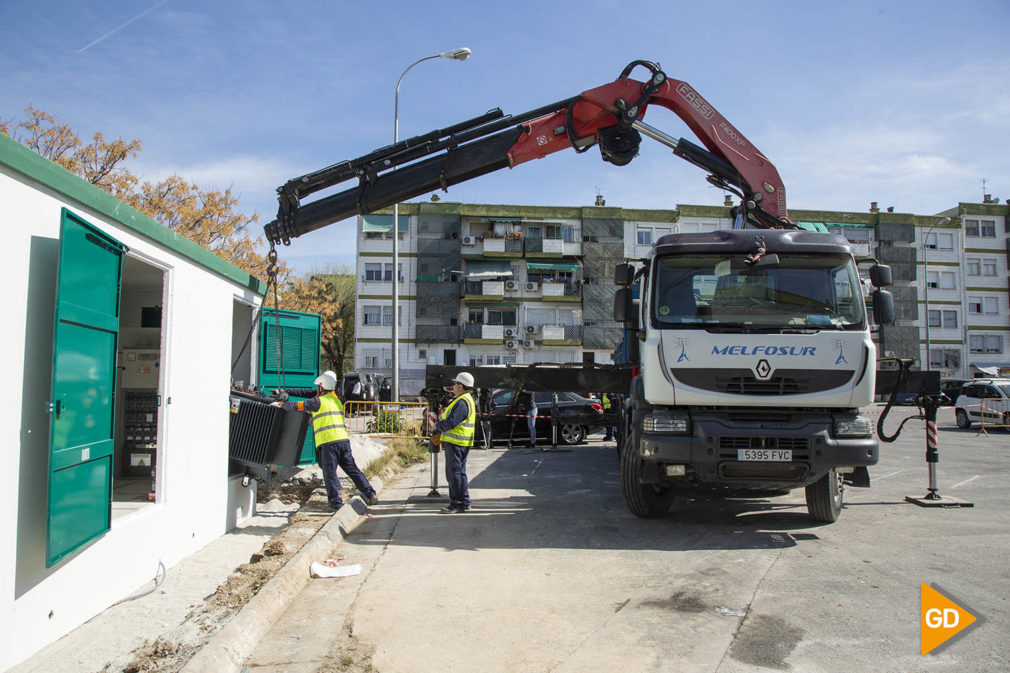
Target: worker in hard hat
<point>456,430</point>
<point>333,443</point>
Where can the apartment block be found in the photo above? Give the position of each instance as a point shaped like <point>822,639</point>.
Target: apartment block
<point>482,284</point>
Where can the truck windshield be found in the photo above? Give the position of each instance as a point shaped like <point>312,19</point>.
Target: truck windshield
<point>802,292</point>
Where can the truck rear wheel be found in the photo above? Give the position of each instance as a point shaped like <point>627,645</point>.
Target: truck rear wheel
<point>824,497</point>
<point>645,500</point>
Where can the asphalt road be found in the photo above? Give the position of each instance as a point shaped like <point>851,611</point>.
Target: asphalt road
<point>549,572</point>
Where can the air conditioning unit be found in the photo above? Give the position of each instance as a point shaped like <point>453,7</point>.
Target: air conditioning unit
<point>530,329</point>
<point>511,285</point>
<point>510,332</point>
<point>469,240</point>
<point>510,344</point>
<point>531,286</point>
<point>529,343</point>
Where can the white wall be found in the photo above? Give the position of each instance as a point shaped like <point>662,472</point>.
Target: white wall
<point>42,604</point>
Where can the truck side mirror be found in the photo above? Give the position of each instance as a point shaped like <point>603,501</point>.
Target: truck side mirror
<point>883,306</point>
<point>880,275</point>
<point>624,307</point>
<point>624,274</point>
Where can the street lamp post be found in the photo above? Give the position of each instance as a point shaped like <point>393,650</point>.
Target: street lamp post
<point>460,54</point>
<point>925,283</point>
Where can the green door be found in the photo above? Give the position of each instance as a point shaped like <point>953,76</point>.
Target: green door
<point>83,403</point>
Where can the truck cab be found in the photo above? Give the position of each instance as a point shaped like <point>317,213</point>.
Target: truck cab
<point>755,356</point>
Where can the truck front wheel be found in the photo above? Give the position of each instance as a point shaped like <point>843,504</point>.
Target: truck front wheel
<point>645,500</point>
<point>824,497</point>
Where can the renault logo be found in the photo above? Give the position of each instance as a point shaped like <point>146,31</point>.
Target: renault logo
<point>763,369</point>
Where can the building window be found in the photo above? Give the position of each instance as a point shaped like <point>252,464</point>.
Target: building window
<point>944,358</point>
<point>505,317</point>
<point>991,305</point>
<point>983,228</point>
<point>372,315</point>
<point>947,280</point>
<point>643,237</point>
<point>387,272</point>
<point>933,318</point>
<point>950,318</point>
<point>373,271</point>
<point>935,241</point>
<point>975,305</point>
<point>974,266</point>
<point>387,315</point>
<point>988,267</point>
<point>559,231</point>
<point>985,343</point>
<point>933,279</point>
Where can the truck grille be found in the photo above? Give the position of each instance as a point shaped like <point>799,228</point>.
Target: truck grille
<point>743,381</point>
<point>732,468</point>
<point>736,443</point>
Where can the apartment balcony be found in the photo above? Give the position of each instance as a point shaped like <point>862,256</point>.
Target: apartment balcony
<point>437,333</point>
<point>475,333</point>
<point>552,247</point>
<point>491,248</point>
<point>561,335</point>
<point>483,289</point>
<point>561,292</point>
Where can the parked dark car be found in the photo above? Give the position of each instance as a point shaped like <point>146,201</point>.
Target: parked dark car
<point>952,390</point>
<point>578,417</point>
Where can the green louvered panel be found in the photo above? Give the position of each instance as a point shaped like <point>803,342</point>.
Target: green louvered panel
<point>299,355</point>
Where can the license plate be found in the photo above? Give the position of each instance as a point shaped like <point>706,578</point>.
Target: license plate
<point>765,455</point>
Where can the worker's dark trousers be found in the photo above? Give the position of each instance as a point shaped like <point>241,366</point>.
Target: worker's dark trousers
<point>455,474</point>
<point>329,456</point>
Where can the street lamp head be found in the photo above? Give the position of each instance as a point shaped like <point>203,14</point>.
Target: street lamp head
<point>943,221</point>
<point>460,54</point>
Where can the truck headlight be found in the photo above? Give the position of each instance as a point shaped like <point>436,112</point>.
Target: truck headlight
<point>860,426</point>
<point>670,425</point>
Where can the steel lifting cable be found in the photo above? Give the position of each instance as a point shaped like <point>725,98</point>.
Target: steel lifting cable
<point>271,281</point>
<point>278,336</point>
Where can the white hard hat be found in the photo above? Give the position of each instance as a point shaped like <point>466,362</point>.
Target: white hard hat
<point>466,378</point>
<point>328,380</point>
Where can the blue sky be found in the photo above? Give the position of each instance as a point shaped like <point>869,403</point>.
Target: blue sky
<point>902,102</point>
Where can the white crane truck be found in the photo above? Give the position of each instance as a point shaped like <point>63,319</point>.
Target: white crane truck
<point>755,345</point>
<point>754,356</point>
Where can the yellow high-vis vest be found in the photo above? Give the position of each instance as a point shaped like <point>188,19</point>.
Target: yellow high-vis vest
<point>328,422</point>
<point>462,434</point>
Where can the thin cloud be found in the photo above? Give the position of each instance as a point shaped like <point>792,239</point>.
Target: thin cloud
<point>119,28</point>
<point>253,180</point>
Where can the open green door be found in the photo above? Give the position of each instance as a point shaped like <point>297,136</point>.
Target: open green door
<point>83,403</point>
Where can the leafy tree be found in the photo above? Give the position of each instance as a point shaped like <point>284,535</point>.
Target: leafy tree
<point>331,294</point>
<point>208,218</point>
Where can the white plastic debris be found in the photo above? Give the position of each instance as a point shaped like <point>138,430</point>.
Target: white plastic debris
<point>323,570</point>
<point>732,613</point>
